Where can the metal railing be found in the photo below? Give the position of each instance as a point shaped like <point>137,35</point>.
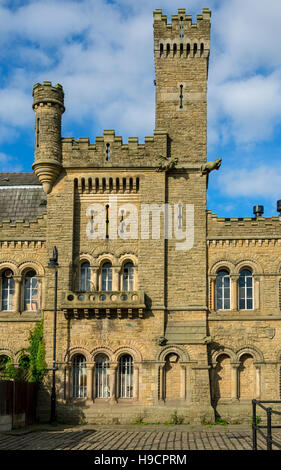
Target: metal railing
<point>258,428</point>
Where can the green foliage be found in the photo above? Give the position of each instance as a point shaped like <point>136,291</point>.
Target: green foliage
<point>32,367</point>
<point>36,351</point>
<point>12,372</point>
<point>176,419</point>
<point>221,421</point>
<point>139,420</point>
<point>258,420</point>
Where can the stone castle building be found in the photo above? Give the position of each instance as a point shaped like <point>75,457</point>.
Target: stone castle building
<point>152,317</point>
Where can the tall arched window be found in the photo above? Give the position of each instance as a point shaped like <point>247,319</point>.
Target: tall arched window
<point>7,290</point>
<point>3,361</point>
<point>126,372</point>
<point>85,277</point>
<point>246,299</point>
<point>247,376</point>
<point>102,376</point>
<point>128,277</point>
<point>223,290</point>
<point>172,389</point>
<point>79,377</point>
<point>30,291</point>
<point>106,277</point>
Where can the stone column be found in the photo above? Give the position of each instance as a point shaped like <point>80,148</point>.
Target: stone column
<point>162,382</point>
<point>17,307</point>
<point>116,279</point>
<point>113,382</point>
<point>136,382</point>
<point>90,367</point>
<point>68,370</point>
<point>235,381</point>
<point>39,293</point>
<point>94,279</point>
<point>234,278</point>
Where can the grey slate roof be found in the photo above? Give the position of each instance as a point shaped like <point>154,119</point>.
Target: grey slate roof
<point>18,179</point>
<point>20,196</point>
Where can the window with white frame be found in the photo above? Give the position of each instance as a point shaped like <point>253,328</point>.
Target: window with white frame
<point>246,298</point>
<point>102,376</point>
<point>106,277</point>
<point>79,377</point>
<point>30,291</point>
<point>85,277</point>
<point>223,290</point>
<point>7,290</point>
<point>126,372</point>
<point>128,277</point>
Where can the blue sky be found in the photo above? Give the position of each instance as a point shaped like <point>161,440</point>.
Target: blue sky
<point>102,53</point>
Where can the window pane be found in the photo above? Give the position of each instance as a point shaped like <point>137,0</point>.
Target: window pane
<point>126,377</point>
<point>85,277</point>
<point>102,376</point>
<point>30,291</point>
<point>8,290</point>
<point>79,377</point>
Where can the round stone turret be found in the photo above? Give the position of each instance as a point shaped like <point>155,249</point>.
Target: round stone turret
<point>48,104</point>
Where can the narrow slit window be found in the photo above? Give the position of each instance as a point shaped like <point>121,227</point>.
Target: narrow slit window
<point>38,132</point>
<point>107,152</point>
<point>181,49</point>
<point>161,49</point>
<point>181,96</point>
<point>107,221</point>
<point>181,27</point>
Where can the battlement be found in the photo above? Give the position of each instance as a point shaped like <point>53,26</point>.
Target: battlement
<point>182,26</point>
<point>239,227</point>
<point>109,150</point>
<point>46,94</point>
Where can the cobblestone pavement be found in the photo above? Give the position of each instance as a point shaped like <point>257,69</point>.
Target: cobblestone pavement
<point>131,438</point>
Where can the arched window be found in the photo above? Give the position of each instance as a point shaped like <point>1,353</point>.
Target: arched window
<point>24,361</point>
<point>30,291</point>
<point>7,290</point>
<point>3,361</point>
<point>172,377</point>
<point>125,372</point>
<point>223,290</point>
<point>247,377</point>
<point>128,277</point>
<point>222,378</point>
<point>85,277</point>
<point>106,277</point>
<point>246,299</point>
<point>102,376</point>
<point>79,377</point>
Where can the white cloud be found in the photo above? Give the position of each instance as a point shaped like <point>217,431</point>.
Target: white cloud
<point>262,181</point>
<point>9,164</point>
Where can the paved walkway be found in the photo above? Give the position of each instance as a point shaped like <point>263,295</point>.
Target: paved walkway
<point>121,437</point>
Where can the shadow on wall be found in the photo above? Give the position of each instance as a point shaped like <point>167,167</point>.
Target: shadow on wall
<point>67,413</point>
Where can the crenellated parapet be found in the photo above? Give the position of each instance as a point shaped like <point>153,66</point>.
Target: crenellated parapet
<point>181,37</point>
<point>109,151</point>
<point>259,228</point>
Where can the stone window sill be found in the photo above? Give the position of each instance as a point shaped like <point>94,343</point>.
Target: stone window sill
<point>10,316</point>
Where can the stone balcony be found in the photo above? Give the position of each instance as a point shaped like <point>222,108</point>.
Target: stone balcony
<point>101,304</point>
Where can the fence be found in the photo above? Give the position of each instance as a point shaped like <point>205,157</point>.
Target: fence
<point>17,404</point>
<point>258,428</point>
